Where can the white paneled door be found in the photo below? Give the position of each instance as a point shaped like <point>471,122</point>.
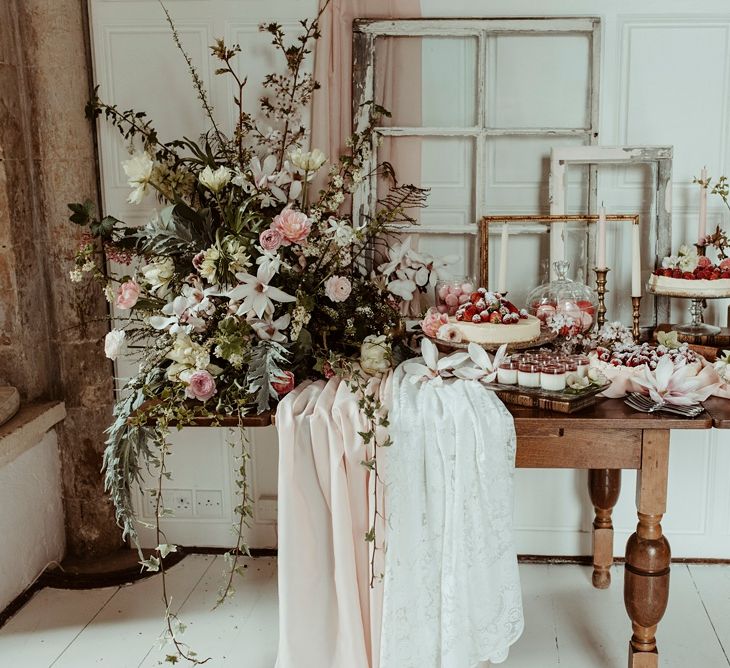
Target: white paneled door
<point>664,80</point>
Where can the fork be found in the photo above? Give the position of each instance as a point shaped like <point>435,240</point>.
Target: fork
<point>646,405</point>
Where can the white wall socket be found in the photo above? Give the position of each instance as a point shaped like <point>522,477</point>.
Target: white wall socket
<point>208,503</point>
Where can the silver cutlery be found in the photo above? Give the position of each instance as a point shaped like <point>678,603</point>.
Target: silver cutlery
<point>644,404</point>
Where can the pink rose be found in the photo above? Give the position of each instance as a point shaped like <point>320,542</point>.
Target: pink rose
<point>338,288</point>
<point>201,385</point>
<point>703,261</point>
<point>127,295</point>
<point>725,264</point>
<point>270,239</point>
<point>294,226</point>
<point>285,384</point>
<point>432,321</point>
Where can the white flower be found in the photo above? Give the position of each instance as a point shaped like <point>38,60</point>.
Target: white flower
<point>257,293</point>
<point>688,262</point>
<point>343,232</point>
<point>209,265</point>
<point>308,162</point>
<point>670,262</point>
<point>187,357</point>
<point>375,354</point>
<point>75,275</point>
<point>432,369</point>
<point>268,260</point>
<point>677,383</point>
<point>686,249</point>
<point>215,180</point>
<point>722,365</point>
<point>596,376</point>
<point>450,333</point>
<point>159,274</point>
<point>139,172</point>
<point>484,369</point>
<point>576,382</point>
<point>669,340</point>
<point>271,330</point>
<point>114,343</point>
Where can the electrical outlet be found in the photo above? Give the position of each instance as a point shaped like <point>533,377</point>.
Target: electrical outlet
<point>208,503</point>
<point>266,510</point>
<point>179,501</point>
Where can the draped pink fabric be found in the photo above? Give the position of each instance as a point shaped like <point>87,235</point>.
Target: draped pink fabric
<point>329,617</point>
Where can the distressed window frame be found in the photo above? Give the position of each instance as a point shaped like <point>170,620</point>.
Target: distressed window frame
<point>659,157</point>
<point>365,33</point>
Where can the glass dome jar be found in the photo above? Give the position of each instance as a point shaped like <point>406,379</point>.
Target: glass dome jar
<point>450,294</point>
<point>570,303</point>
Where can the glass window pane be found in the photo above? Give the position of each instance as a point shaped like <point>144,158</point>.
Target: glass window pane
<point>539,81</point>
<point>427,81</point>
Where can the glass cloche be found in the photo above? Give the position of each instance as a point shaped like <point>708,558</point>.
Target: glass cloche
<point>570,304</point>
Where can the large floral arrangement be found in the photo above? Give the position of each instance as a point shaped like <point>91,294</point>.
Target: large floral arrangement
<point>248,278</point>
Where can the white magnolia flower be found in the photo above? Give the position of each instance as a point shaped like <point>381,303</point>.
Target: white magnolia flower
<point>432,368</point>
<point>271,330</point>
<point>187,312</point>
<point>309,161</point>
<point>114,343</point>
<point>722,365</point>
<point>139,170</point>
<point>159,274</point>
<point>257,294</point>
<point>342,231</point>
<point>215,180</point>
<point>375,354</point>
<point>677,383</point>
<point>483,368</point>
<point>268,260</point>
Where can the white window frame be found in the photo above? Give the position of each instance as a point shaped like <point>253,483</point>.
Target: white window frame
<point>365,33</point>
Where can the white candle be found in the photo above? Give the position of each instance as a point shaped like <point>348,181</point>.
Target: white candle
<point>502,282</point>
<point>601,251</point>
<point>636,261</point>
<point>702,223</point>
<point>557,247</point>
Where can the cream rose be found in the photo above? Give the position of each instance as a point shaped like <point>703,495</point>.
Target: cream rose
<point>114,343</point>
<point>375,354</point>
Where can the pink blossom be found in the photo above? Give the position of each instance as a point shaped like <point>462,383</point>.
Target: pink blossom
<point>127,295</point>
<point>201,385</point>
<point>338,288</point>
<point>704,261</point>
<point>294,226</point>
<point>285,385</point>
<point>270,239</point>
<point>432,322</point>
<point>725,264</point>
<point>327,371</point>
<point>449,333</point>
<point>198,260</point>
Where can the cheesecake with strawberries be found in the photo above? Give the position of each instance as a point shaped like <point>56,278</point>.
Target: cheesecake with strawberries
<point>490,319</point>
<point>691,276</point>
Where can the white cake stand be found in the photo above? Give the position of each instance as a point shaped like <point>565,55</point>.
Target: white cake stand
<point>697,325</point>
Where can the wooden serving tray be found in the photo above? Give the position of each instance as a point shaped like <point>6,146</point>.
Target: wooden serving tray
<point>560,402</point>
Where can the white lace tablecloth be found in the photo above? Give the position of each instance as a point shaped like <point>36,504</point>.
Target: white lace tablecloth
<point>452,594</point>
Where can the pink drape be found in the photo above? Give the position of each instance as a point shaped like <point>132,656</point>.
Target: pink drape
<point>329,616</point>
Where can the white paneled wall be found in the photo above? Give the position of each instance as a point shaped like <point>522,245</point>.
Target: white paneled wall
<point>664,80</point>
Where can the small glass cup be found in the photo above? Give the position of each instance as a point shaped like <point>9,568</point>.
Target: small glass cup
<point>552,377</point>
<point>582,363</point>
<point>507,373</point>
<point>528,374</point>
<point>453,293</point>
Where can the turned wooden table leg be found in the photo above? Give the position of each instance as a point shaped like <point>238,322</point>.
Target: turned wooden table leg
<point>604,486</point>
<point>646,580</point>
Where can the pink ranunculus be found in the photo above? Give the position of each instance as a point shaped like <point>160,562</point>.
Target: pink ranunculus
<point>285,385</point>
<point>198,260</point>
<point>127,295</point>
<point>432,321</point>
<point>201,385</point>
<point>294,226</point>
<point>338,288</point>
<point>270,239</point>
<point>704,261</point>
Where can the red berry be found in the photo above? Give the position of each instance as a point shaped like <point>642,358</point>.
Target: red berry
<point>715,275</point>
<point>495,318</point>
<point>677,273</point>
<point>688,275</point>
<point>510,306</point>
<point>475,297</point>
<point>469,313</point>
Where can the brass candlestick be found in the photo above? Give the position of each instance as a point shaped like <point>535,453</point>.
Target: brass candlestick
<point>701,249</point>
<point>601,291</point>
<point>636,306</point>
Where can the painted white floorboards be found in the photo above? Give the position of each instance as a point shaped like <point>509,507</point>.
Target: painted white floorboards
<point>567,622</point>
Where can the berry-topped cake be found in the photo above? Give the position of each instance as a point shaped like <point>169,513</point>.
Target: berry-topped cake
<point>691,275</point>
<point>489,318</point>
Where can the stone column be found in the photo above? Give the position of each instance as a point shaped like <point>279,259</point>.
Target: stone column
<point>52,344</point>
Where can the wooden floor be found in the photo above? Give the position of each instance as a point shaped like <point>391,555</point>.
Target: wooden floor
<point>567,622</point>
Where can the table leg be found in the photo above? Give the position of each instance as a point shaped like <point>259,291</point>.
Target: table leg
<point>646,579</point>
<point>604,486</point>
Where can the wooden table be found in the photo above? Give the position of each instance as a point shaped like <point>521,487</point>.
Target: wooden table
<point>604,439</point>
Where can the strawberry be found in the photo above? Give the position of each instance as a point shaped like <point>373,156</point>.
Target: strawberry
<point>510,306</point>
<point>725,273</point>
<point>688,275</point>
<point>469,313</point>
<point>475,297</point>
<point>495,318</point>
<point>677,273</point>
<point>476,318</point>
<point>715,275</point>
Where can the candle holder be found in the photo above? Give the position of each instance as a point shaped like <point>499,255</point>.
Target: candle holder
<point>701,249</point>
<point>601,291</point>
<point>636,309</point>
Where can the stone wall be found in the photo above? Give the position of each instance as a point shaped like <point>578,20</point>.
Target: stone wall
<point>51,331</point>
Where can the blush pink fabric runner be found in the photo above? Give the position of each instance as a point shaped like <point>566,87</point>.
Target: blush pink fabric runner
<point>329,617</point>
